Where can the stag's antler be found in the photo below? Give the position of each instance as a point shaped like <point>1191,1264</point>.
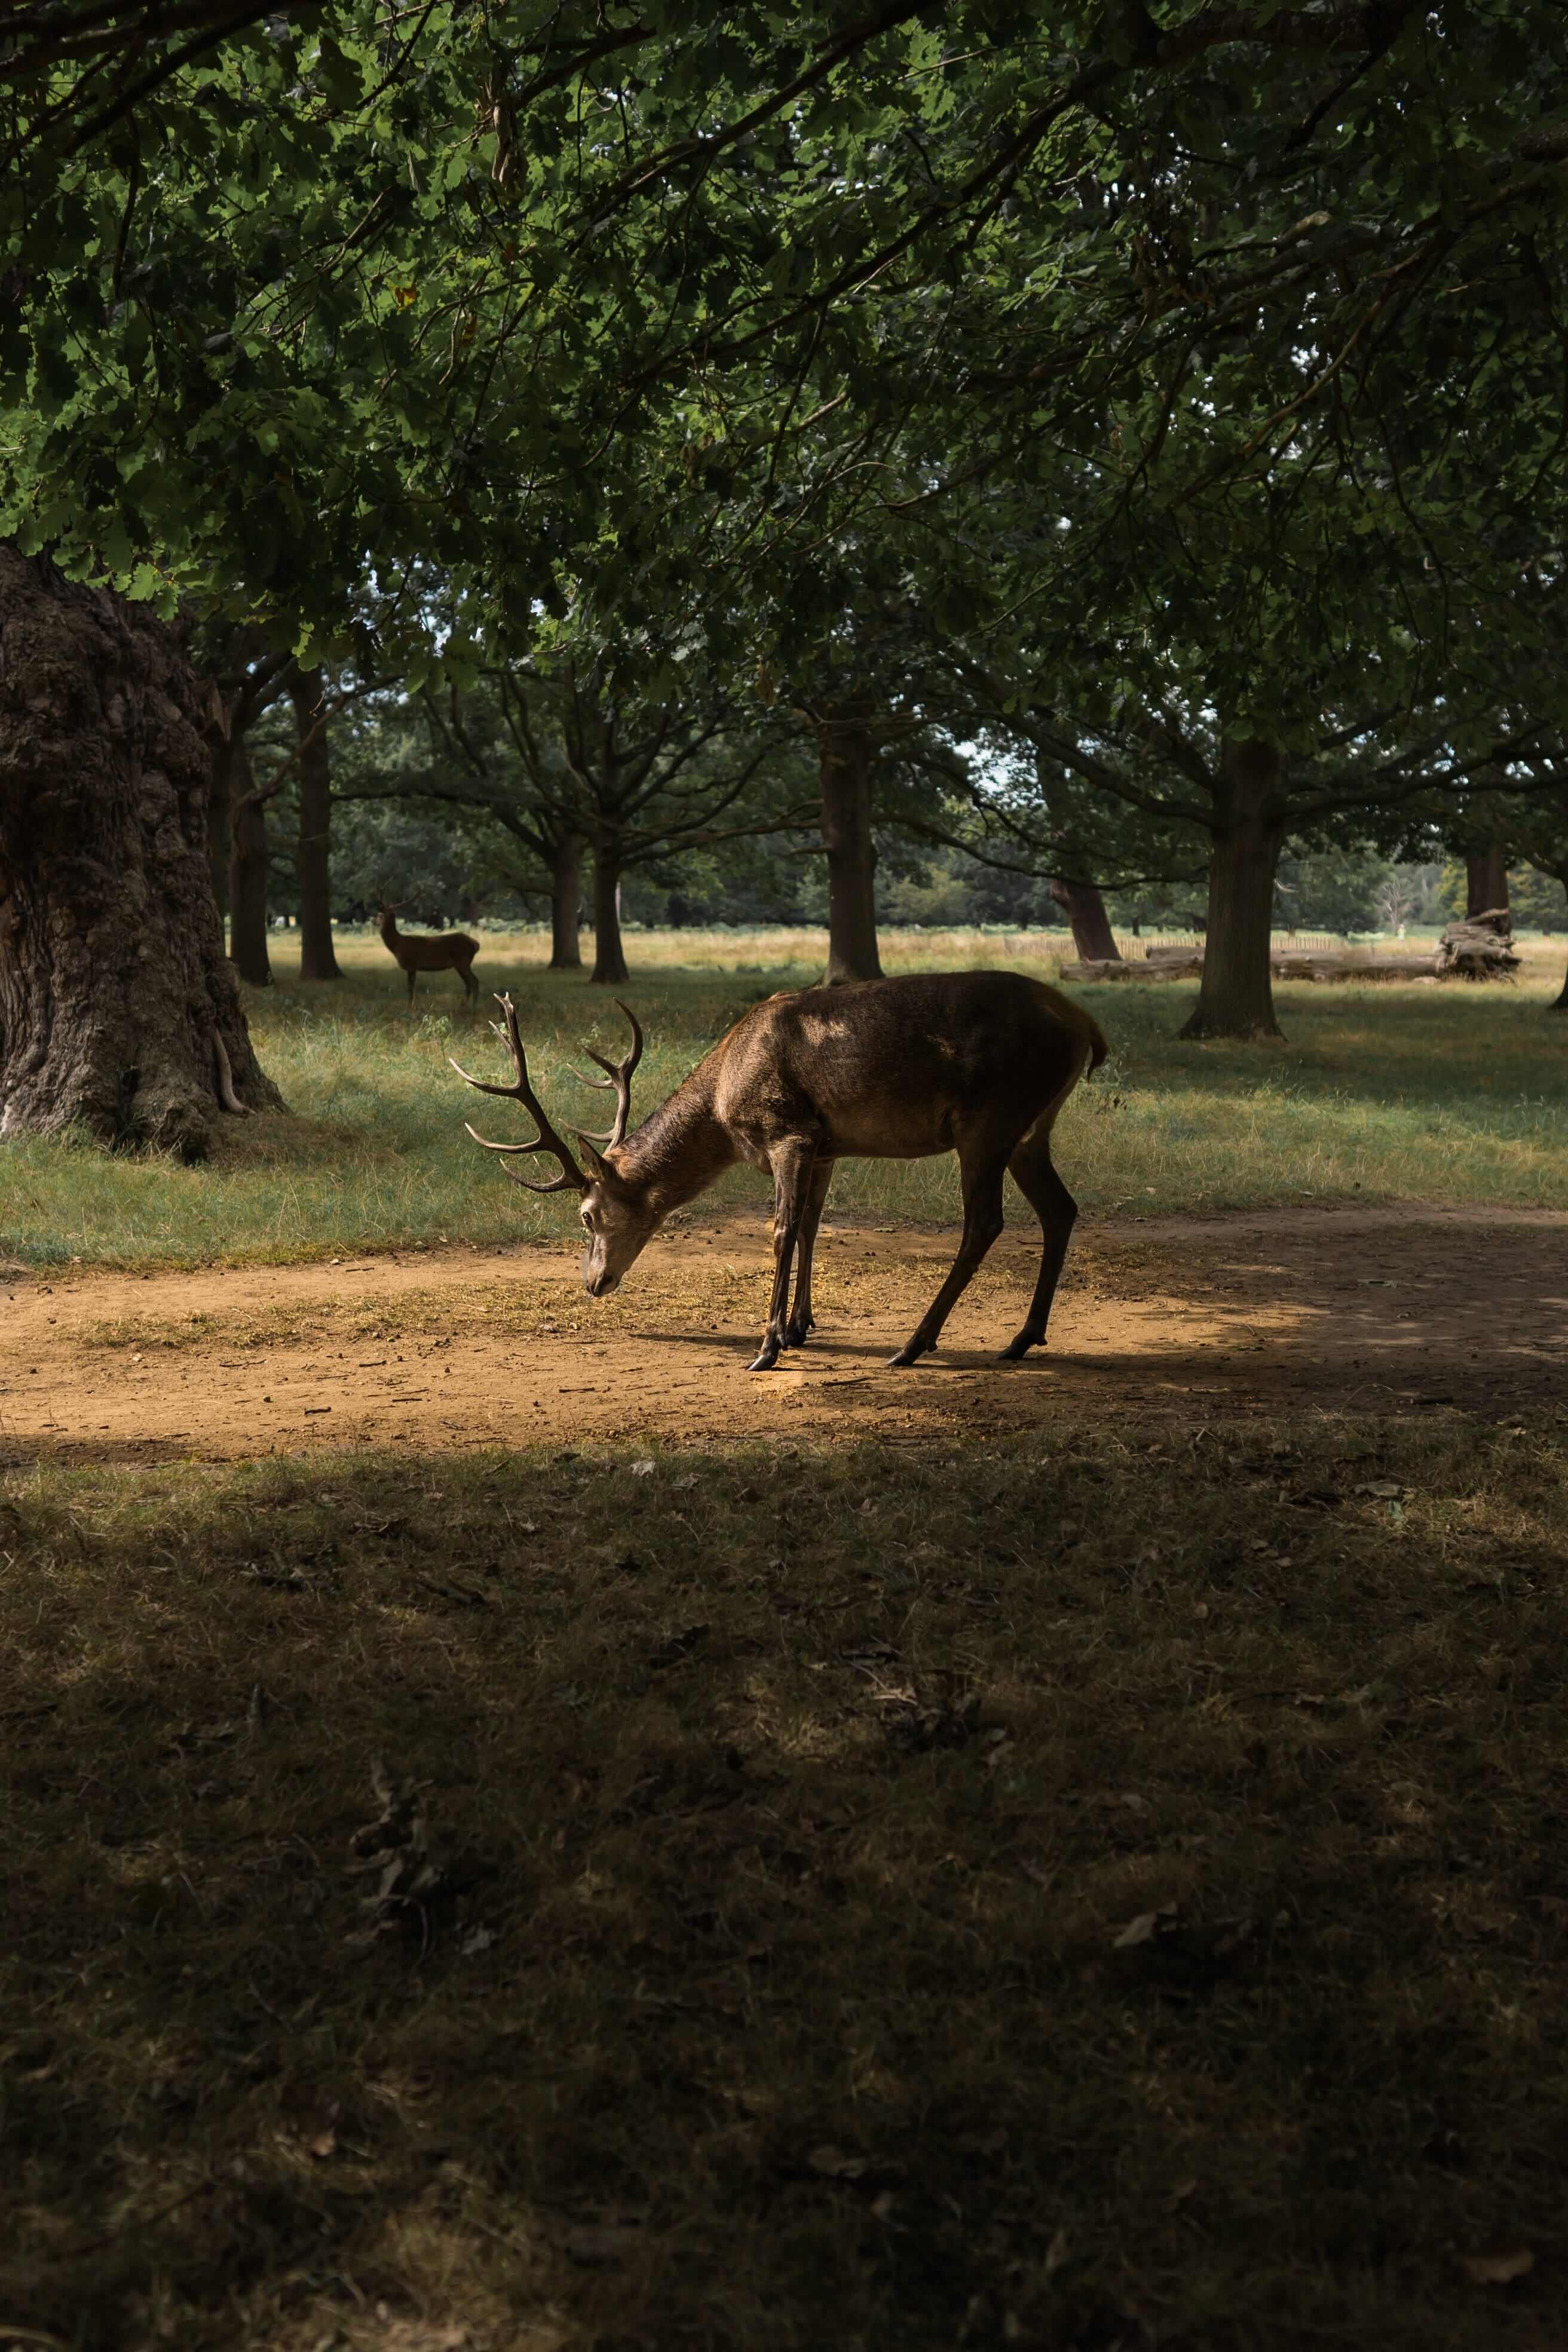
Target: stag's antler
<point>618,1076</point>
<point>571,1179</point>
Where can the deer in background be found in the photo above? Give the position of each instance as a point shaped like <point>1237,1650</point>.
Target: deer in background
<point>979,1063</point>
<point>419,952</point>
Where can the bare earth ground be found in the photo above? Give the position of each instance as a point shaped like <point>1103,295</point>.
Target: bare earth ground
<point>1190,1319</point>
<point>1066,1857</point>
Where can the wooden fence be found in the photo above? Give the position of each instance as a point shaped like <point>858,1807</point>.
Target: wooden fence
<point>1136,951</point>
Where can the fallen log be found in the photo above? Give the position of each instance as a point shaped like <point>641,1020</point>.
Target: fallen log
<point>1351,964</point>
<point>1187,963</point>
<point>1164,967</point>
<point>1479,949</point>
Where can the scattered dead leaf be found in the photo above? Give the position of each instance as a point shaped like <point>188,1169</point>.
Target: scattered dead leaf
<point>597,2242</point>
<point>676,1647</point>
<point>1148,1928</point>
<point>1497,2269</point>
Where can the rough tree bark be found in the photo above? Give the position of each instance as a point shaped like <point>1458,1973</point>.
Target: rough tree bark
<point>565,898</point>
<point>247,869</point>
<point>1236,996</point>
<point>219,845</point>
<point>1560,1004</point>
<point>847,750</point>
<point>1486,880</point>
<point>609,959</point>
<point>1092,936</point>
<point>114,991</point>
<point>318,959</point>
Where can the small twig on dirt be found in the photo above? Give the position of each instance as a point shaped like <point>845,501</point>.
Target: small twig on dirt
<point>113,2237</point>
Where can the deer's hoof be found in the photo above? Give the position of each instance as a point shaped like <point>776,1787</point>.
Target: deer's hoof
<point>909,1355</point>
<point>1016,1349</point>
<point>765,1361</point>
<point>795,1334</point>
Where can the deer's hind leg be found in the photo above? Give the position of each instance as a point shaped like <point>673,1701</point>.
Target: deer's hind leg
<point>1032,1171</point>
<point>800,1319</point>
<point>982,1160</point>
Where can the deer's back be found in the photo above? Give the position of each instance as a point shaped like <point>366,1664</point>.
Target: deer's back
<point>433,950</point>
<point>893,1068</point>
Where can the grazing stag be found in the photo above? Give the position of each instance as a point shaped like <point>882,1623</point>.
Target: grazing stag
<point>979,1063</point>
<point>419,952</point>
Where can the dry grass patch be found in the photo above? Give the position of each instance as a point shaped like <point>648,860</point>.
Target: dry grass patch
<point>1071,1893</point>
<point>1445,1094</point>
<point>692,1288</point>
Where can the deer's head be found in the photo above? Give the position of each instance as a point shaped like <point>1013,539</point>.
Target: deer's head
<point>618,1219</point>
<point>618,1223</point>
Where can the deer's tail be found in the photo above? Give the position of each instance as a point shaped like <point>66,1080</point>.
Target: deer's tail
<point>1090,1037</point>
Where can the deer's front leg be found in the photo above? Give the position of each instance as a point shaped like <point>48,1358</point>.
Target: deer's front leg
<point>791,1164</point>
<point>801,1318</point>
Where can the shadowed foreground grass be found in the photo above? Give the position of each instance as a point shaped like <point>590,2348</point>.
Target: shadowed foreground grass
<point>1069,1895</point>
<point>1448,1094</point>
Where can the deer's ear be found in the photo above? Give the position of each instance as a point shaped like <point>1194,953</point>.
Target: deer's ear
<point>595,1166</point>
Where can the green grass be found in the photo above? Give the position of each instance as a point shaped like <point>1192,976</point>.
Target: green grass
<point>1450,1094</point>
<point>1069,1893</point>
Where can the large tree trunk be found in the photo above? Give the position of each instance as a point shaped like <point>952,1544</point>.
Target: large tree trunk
<point>609,961</point>
<point>1560,1004</point>
<point>247,870</point>
<point>318,961</point>
<point>565,898</point>
<point>846,749</point>
<point>1236,997</point>
<point>219,846</point>
<point>114,993</point>
<point>1084,907</point>
<point>1486,880</point>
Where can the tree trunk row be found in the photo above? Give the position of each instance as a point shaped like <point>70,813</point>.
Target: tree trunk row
<point>118,1008</point>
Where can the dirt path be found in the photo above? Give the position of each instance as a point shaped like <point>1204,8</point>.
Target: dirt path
<point>1196,1318</point>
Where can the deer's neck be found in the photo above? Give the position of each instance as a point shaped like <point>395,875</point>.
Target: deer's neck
<point>679,1150</point>
<point>389,928</point>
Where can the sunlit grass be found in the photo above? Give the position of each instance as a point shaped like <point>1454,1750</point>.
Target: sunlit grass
<point>1447,1094</point>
